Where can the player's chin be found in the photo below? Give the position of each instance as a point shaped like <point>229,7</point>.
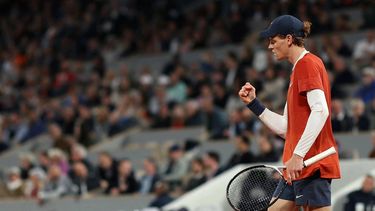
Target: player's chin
<point>279,57</point>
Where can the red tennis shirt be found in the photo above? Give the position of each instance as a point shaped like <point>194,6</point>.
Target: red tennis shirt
<point>309,73</point>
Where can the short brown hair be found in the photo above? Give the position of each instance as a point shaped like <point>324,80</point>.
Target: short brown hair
<point>300,41</point>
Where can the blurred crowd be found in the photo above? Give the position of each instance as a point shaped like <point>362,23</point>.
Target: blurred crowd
<point>56,81</point>
<point>53,173</point>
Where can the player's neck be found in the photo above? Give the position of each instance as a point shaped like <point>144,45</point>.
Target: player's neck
<point>295,53</point>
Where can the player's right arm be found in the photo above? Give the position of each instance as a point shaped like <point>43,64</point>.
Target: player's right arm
<point>276,122</point>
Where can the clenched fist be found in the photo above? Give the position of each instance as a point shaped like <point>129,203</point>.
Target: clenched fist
<point>247,93</point>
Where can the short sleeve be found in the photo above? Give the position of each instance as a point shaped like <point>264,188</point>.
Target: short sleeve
<point>308,76</point>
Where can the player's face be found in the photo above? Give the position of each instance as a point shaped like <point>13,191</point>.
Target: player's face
<point>279,46</point>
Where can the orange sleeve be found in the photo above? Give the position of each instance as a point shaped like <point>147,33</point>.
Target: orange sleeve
<point>307,76</point>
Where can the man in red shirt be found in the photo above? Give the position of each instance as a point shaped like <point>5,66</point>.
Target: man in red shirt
<point>305,124</point>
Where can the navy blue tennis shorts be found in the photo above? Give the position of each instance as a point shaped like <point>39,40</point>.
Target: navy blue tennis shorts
<point>311,191</point>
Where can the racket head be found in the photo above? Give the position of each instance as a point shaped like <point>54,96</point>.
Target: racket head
<point>254,187</point>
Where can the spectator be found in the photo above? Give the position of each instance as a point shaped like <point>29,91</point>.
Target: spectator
<point>215,119</point>
<point>107,170</point>
<point>251,122</point>
<point>14,129</point>
<point>44,160</point>
<point>267,150</point>
<point>233,75</point>
<point>372,152</point>
<point>58,139</point>
<point>82,181</point>
<point>14,185</point>
<point>339,46</point>
<point>176,90</point>
<point>363,199</point>
<point>343,75</point>
<point>193,114</point>
<point>35,183</point>
<point>196,176</point>
<point>364,49</point>
<point>150,178</point>
<point>243,155</point>
<point>79,154</point>
<point>162,196</point>
<point>124,182</point>
<point>27,163</point>
<point>372,114</point>
<point>360,119</point>
<point>236,126</point>
<point>178,117</point>
<point>367,89</point>
<point>341,121</point>
<point>177,166</point>
<point>58,158</point>
<point>163,118</point>
<point>84,128</point>
<point>211,162</point>
<point>57,185</point>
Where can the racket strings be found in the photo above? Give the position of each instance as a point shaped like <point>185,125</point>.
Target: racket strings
<point>253,189</point>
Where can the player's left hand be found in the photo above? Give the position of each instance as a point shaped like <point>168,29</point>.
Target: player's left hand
<point>294,168</point>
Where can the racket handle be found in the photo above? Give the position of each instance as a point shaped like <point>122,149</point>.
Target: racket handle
<point>319,156</point>
<point>315,158</point>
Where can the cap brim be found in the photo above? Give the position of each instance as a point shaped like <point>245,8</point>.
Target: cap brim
<point>266,33</point>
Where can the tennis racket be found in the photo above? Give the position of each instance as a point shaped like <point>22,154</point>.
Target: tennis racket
<point>254,187</point>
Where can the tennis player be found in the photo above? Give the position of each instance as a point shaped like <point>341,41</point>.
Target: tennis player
<point>305,124</point>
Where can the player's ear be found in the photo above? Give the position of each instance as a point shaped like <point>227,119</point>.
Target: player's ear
<point>289,39</point>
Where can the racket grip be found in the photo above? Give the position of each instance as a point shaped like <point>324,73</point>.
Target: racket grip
<point>319,156</point>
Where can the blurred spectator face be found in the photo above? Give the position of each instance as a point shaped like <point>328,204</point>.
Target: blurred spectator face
<point>358,107</point>
<point>54,173</point>
<point>175,154</point>
<point>368,184</point>
<point>207,104</point>
<point>68,113</point>
<point>54,131</point>
<point>235,117</point>
<point>161,188</point>
<point>246,114</point>
<point>336,107</point>
<point>206,91</point>
<point>14,179</point>
<point>102,114</point>
<point>339,65</point>
<point>26,161</point>
<point>149,167</point>
<point>197,165</point>
<point>37,175</point>
<point>164,110</point>
<point>80,170</point>
<point>336,41</point>
<point>43,159</point>
<point>371,36</point>
<point>13,174</point>
<point>251,74</point>
<point>105,161</point>
<point>240,146</point>
<point>178,112</point>
<point>77,153</point>
<point>368,76</point>
<point>84,112</point>
<point>208,161</point>
<point>191,108</point>
<point>125,167</point>
<point>264,144</point>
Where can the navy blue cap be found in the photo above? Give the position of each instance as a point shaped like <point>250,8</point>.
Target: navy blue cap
<point>284,25</point>
<point>174,148</point>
